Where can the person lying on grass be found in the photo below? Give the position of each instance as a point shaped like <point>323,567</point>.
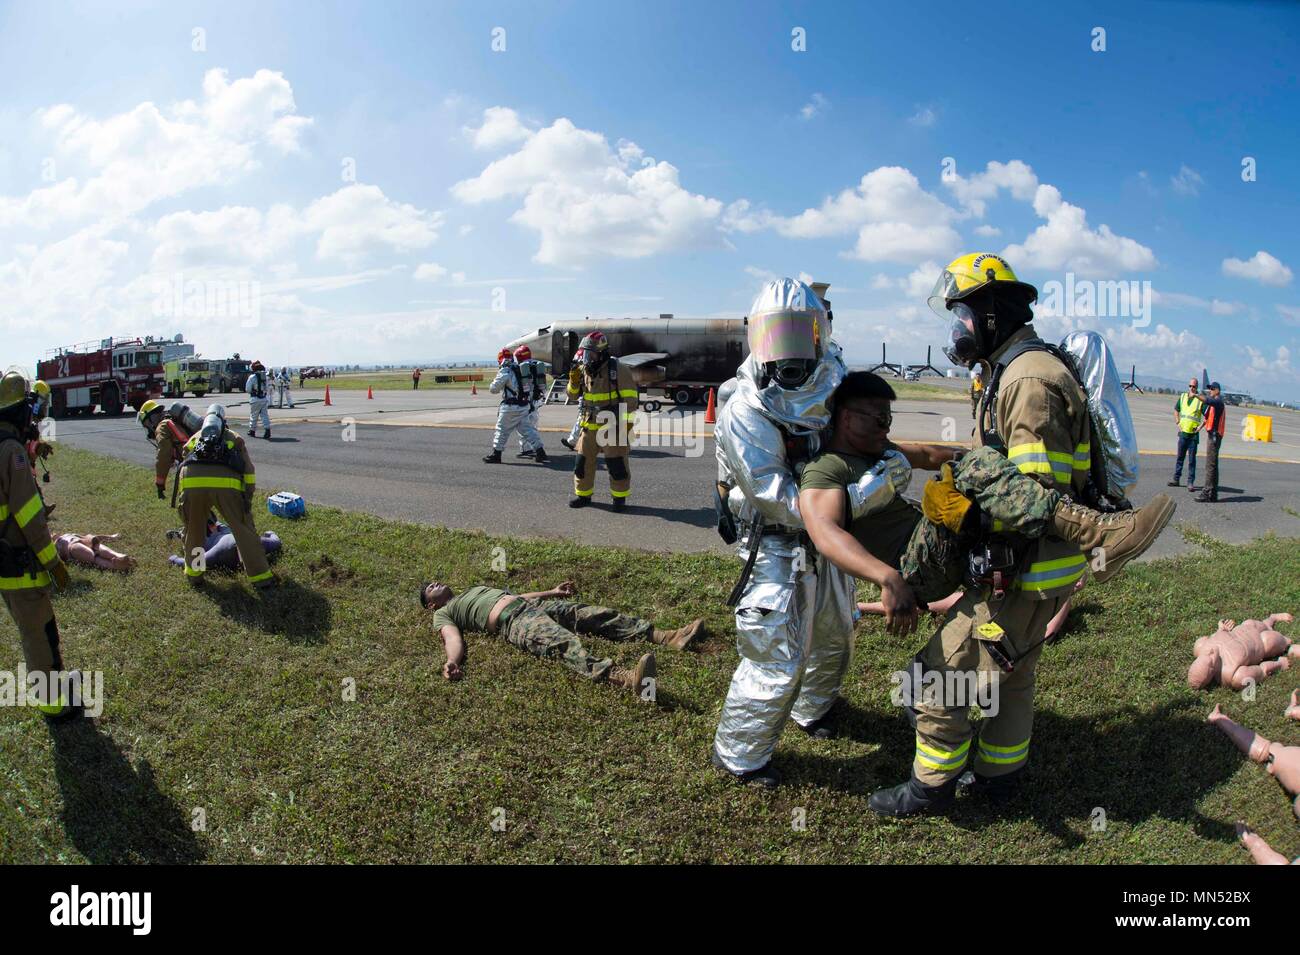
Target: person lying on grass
<point>546,624</point>
<point>850,496</point>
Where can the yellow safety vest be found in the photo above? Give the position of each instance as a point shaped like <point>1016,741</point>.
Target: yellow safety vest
<point>1190,410</point>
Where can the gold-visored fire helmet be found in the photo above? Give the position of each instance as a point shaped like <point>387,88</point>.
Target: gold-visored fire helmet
<point>980,299</point>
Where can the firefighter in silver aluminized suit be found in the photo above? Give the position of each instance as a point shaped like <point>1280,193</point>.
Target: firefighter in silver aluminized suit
<point>794,615</point>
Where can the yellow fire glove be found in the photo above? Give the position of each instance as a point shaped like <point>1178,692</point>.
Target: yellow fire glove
<point>575,377</point>
<point>942,503</point>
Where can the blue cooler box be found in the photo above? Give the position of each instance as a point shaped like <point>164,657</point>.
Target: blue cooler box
<point>286,504</point>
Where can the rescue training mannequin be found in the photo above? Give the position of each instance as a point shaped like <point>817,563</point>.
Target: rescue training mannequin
<point>88,549</point>
<point>220,549</point>
<point>1293,711</point>
<point>1239,654</point>
<point>1282,762</point>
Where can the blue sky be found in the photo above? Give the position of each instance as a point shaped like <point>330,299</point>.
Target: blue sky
<point>391,188</point>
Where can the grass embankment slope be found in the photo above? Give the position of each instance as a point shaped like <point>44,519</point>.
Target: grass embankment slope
<point>221,702</point>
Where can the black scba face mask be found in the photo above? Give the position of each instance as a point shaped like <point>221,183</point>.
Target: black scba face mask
<point>790,373</point>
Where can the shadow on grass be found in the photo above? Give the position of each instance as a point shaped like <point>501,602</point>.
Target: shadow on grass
<point>112,812</point>
<point>1130,763</point>
<point>295,612</point>
<point>1079,613</point>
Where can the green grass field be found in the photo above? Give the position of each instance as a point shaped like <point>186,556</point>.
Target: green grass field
<point>236,707</point>
<point>393,380</point>
<point>923,390</point>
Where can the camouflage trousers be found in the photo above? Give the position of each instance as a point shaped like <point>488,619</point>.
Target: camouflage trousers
<point>550,628</point>
<point>934,560</point>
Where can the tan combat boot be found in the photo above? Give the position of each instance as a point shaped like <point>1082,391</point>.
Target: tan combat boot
<point>640,681</point>
<point>681,638</point>
<point>1121,535</point>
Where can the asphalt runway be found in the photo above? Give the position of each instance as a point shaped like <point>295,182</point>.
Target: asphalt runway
<point>366,455</point>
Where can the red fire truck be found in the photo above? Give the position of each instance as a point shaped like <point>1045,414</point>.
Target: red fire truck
<point>111,374</point>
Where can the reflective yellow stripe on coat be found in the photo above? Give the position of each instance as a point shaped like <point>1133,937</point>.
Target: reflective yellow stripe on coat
<point>1034,458</point>
<point>211,483</point>
<point>1047,574</point>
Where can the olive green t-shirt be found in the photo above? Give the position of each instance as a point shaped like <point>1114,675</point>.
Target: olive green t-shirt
<point>469,611</point>
<point>883,534</point>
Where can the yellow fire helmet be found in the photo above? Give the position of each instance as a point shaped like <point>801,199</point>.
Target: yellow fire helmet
<point>13,389</point>
<point>146,409</point>
<point>973,271</point>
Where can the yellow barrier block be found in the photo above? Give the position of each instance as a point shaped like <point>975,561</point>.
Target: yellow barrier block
<point>1257,427</point>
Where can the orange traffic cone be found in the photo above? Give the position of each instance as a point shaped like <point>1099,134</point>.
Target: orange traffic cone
<point>327,395</point>
<point>473,388</point>
<point>711,412</point>
<point>370,392</point>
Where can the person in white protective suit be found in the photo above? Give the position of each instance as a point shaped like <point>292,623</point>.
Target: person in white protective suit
<point>286,395</point>
<point>514,411</point>
<point>794,612</point>
<point>533,374</point>
<point>258,387</point>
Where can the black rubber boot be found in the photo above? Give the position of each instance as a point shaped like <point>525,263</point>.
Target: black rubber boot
<point>818,728</point>
<point>620,503</point>
<point>1174,483</point>
<point>568,444</point>
<point>996,789</point>
<point>267,434</point>
<point>824,726</point>
<point>764,777</point>
<point>540,457</point>
<point>525,454</point>
<point>579,502</point>
<point>909,798</point>
<point>493,458</point>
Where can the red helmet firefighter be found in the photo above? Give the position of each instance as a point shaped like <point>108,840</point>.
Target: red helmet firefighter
<point>593,350</point>
<point>523,353</point>
<point>503,356</point>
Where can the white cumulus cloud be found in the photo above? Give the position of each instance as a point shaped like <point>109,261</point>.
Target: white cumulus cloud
<point>1066,241</point>
<point>359,218</point>
<point>894,218</point>
<point>132,159</point>
<point>1261,267</point>
<point>501,126</point>
<point>587,201</point>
